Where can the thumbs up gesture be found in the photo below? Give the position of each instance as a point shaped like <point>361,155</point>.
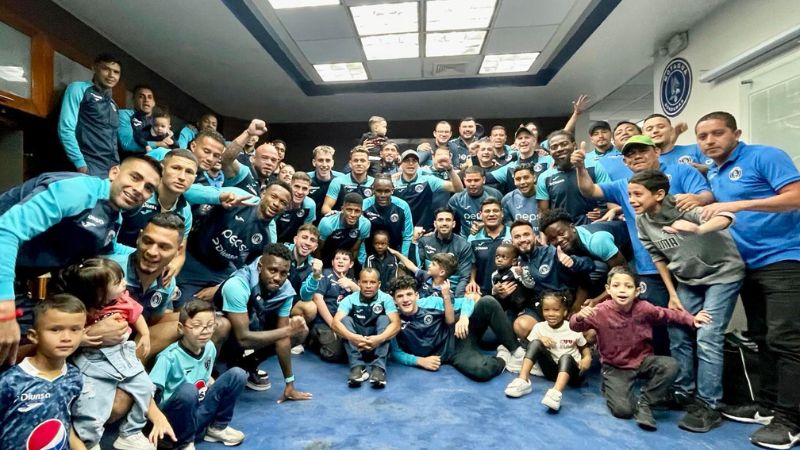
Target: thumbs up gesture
<point>579,155</point>
<point>564,258</point>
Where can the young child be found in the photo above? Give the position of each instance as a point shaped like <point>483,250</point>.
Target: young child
<point>704,259</point>
<point>384,262</point>
<point>36,395</point>
<point>523,297</point>
<point>375,137</point>
<point>367,321</point>
<point>562,354</point>
<point>161,130</point>
<point>194,403</point>
<point>430,282</point>
<point>624,328</point>
<point>100,284</point>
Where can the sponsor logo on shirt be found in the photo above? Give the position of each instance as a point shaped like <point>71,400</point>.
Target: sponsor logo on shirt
<point>238,218</point>
<point>735,173</point>
<point>30,406</point>
<point>48,435</point>
<point>92,221</point>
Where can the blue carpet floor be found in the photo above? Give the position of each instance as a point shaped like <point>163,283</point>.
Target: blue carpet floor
<point>445,410</point>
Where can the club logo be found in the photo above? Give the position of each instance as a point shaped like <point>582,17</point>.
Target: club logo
<point>735,173</point>
<point>544,269</point>
<point>685,159</point>
<point>367,192</point>
<point>419,188</point>
<point>642,287</point>
<point>394,217</point>
<point>377,308</point>
<point>537,167</point>
<point>48,435</point>
<point>257,238</point>
<point>428,319</point>
<point>676,86</point>
<point>353,233</point>
<point>300,213</point>
<point>156,299</point>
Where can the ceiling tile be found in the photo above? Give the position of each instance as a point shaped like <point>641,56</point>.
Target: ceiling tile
<point>519,39</point>
<point>451,66</point>
<point>331,50</point>
<point>525,13</point>
<point>394,70</point>
<point>313,24</point>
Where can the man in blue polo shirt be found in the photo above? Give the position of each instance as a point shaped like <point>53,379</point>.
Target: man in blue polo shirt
<point>459,147</point>
<point>322,175</point>
<point>467,204</point>
<point>557,187</point>
<point>659,128</point>
<point>357,181</point>
<point>88,123</point>
<point>521,203</point>
<point>761,186</point>
<point>346,229</point>
<point>688,186</point>
<point>484,243</point>
<point>387,212</point>
<point>418,189</point>
<point>604,151</point>
<point>55,220</point>
<point>257,300</point>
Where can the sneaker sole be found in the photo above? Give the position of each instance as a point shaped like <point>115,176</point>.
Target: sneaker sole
<point>647,426</point>
<point>258,387</point>
<point>125,447</point>
<point>711,426</point>
<point>356,382</point>
<point>762,420</point>
<point>518,394</point>
<point>378,384</point>
<point>552,406</point>
<point>225,443</point>
<point>793,441</point>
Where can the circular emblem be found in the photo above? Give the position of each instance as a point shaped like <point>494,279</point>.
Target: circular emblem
<point>110,237</point>
<point>537,167</point>
<point>367,192</point>
<point>176,294</point>
<point>156,299</point>
<point>685,159</point>
<point>201,389</point>
<point>544,269</point>
<point>462,158</point>
<point>642,287</point>
<point>353,233</point>
<point>419,188</point>
<point>377,308</point>
<point>676,86</point>
<point>709,162</point>
<point>256,239</point>
<point>300,213</point>
<point>735,173</point>
<point>50,434</point>
<point>394,217</point>
<point>428,319</point>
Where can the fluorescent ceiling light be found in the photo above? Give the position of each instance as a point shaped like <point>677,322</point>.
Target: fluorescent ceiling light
<point>443,15</point>
<point>341,71</point>
<point>456,43</point>
<point>514,62</point>
<point>386,18</point>
<point>288,4</point>
<point>391,46</point>
<point>13,74</point>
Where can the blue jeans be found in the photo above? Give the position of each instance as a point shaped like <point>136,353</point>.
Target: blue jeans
<point>707,341</point>
<point>375,357</point>
<point>189,416</point>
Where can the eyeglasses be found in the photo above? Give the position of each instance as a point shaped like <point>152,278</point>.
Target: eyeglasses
<point>199,328</point>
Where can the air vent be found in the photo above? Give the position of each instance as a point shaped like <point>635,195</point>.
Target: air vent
<point>445,70</point>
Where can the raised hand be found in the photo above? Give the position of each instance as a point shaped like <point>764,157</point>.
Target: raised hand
<point>578,156</point>
<point>579,105</point>
<point>564,258</point>
<point>257,127</point>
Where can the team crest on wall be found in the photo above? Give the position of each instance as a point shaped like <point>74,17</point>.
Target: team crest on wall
<point>676,86</point>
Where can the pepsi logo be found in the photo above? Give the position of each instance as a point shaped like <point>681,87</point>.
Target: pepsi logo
<point>201,389</point>
<point>48,435</point>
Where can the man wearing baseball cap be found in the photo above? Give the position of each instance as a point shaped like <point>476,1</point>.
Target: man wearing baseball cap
<point>604,151</point>
<point>417,188</point>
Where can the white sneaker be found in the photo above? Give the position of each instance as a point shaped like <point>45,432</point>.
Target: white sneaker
<point>96,447</point>
<point>552,399</point>
<point>504,354</point>
<point>228,436</point>
<point>537,371</point>
<point>189,446</point>
<point>514,363</point>
<point>518,387</point>
<point>135,441</point>
<point>298,349</point>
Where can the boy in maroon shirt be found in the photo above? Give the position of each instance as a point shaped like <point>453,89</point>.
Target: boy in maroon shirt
<point>624,328</point>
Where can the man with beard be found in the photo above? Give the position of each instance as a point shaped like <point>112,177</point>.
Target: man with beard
<point>445,241</point>
<point>322,175</point>
<point>604,152</point>
<point>459,147</point>
<point>503,154</point>
<point>302,248</point>
<point>257,300</point>
<point>389,155</point>
<point>557,186</point>
<point>264,162</point>
<point>484,158</point>
<point>346,229</point>
<point>229,239</point>
<point>484,243</point>
<point>301,211</point>
<point>526,148</point>
<point>521,204</point>
<point>358,181</point>
<point>55,220</point>
<point>418,189</point>
<point>467,204</point>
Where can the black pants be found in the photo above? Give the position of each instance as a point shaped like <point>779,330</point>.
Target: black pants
<point>660,371</point>
<point>655,291</point>
<point>538,353</point>
<point>324,341</point>
<point>770,298</point>
<point>467,357</point>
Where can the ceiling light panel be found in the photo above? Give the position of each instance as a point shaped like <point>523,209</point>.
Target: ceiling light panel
<point>455,43</point>
<point>386,18</point>
<point>508,63</point>
<point>341,72</point>
<point>288,4</point>
<point>391,46</point>
<point>445,15</point>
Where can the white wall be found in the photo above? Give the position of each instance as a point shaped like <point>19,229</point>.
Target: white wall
<point>734,27</point>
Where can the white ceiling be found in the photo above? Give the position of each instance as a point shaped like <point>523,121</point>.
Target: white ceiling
<point>201,47</point>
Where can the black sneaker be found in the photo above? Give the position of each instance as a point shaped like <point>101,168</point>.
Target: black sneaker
<point>644,417</point>
<point>258,380</point>
<point>700,418</point>
<point>777,434</point>
<point>357,375</point>
<point>751,413</point>
<point>378,378</point>
<point>675,401</point>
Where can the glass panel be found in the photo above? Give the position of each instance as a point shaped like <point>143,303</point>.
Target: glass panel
<point>15,61</point>
<point>65,71</point>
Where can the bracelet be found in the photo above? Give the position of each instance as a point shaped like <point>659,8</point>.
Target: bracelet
<point>12,315</point>
<point>289,379</point>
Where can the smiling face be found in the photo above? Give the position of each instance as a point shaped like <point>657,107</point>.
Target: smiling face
<point>443,223</point>
<point>286,173</point>
<point>524,143</point>
<point>342,262</point>
<point>553,311</point>
<point>156,247</point>
<point>624,132</point>
<point>323,163</point>
<point>623,290</point>
<point>642,200</point>
<point>642,157</point>
<point>57,334</point>
<point>272,273</point>
<point>406,301</point>
<point>132,183</point>
<point>389,154</point>
<point>716,140</point>
<point>562,234</point>
<point>485,154</point>
<point>208,152</point>
<point>561,148</point>
<point>274,201</point>
<point>525,182</point>
<point>359,163</point>
<point>409,166</point>
<point>659,130</point>
<point>351,213</point>
<point>466,129</point>
<point>305,243</point>
<point>442,134</point>
<point>523,238</point>
<point>491,215</point>
<point>300,189</point>
<point>498,138</point>
<point>106,74</point>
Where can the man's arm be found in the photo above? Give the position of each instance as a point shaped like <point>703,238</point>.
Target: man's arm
<point>586,185</point>
<point>125,132</point>
<point>240,323</point>
<point>788,199</point>
<point>454,184</point>
<point>390,331</point>
<point>465,261</point>
<point>578,106</point>
<point>230,166</point>
<point>68,121</point>
<point>283,350</point>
